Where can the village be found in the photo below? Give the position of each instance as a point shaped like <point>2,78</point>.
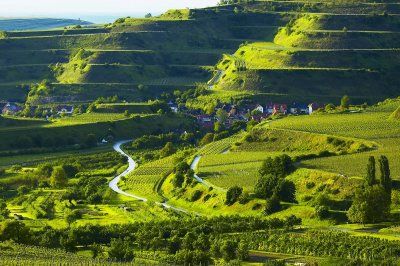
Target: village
<point>256,112</point>
<point>231,113</point>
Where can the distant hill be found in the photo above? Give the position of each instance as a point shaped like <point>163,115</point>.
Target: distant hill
<point>11,24</point>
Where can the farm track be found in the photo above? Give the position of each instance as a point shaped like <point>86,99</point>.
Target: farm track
<point>131,167</point>
<point>193,166</point>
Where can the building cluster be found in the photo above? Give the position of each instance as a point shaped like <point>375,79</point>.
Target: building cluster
<point>257,112</point>
<point>11,108</point>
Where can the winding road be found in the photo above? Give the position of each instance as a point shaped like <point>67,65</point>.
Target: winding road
<point>193,166</point>
<point>131,167</point>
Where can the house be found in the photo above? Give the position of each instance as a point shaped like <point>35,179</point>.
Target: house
<point>259,117</point>
<point>259,108</point>
<point>11,109</point>
<point>280,108</point>
<point>276,108</point>
<point>298,108</point>
<point>312,107</point>
<point>205,121</point>
<point>233,112</point>
<point>270,108</point>
<point>65,109</point>
<point>173,107</point>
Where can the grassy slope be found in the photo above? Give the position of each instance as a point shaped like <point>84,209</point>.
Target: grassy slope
<point>319,57</point>
<point>97,123</point>
<point>128,53</point>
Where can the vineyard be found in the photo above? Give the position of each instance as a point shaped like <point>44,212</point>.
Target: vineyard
<point>220,146</point>
<point>144,179</point>
<point>367,125</point>
<point>371,125</point>
<point>325,244</point>
<point>87,119</point>
<point>15,254</point>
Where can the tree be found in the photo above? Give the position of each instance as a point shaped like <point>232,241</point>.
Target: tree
<point>386,180</point>
<point>371,171</point>
<point>22,190</point>
<point>266,185</point>
<point>287,191</point>
<point>345,102</point>
<point>233,194</point>
<point>70,170</point>
<point>228,250</point>
<point>3,34</point>
<point>273,204</point>
<point>148,15</point>
<point>370,205</point>
<point>44,170</point>
<point>222,115</point>
<point>178,179</point>
<point>208,138</point>
<point>167,150</point>
<point>120,250</point>
<point>91,140</point>
<point>14,230</point>
<point>4,211</point>
<point>218,126</point>
<point>279,166</point>
<point>58,178</point>
<point>72,216</point>
<point>243,250</point>
<point>329,107</point>
<point>210,108</point>
<point>322,212</point>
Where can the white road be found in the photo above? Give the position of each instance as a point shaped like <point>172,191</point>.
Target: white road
<point>131,167</point>
<point>193,166</point>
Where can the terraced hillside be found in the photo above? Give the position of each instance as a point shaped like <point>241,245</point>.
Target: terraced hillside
<point>159,54</point>
<point>296,49</point>
<point>325,50</point>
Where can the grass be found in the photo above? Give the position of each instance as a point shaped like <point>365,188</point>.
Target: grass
<point>210,203</point>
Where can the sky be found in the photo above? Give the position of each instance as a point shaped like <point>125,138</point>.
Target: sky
<point>62,8</point>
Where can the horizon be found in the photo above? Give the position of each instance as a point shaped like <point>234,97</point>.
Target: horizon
<point>96,10</point>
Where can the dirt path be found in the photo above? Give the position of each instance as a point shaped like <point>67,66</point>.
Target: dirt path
<point>131,167</point>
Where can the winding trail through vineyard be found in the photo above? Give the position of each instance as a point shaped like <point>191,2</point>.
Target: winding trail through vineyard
<point>193,166</point>
<point>131,167</point>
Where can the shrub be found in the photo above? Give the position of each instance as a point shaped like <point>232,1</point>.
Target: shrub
<point>266,186</point>
<point>168,150</point>
<point>287,191</point>
<point>196,195</point>
<point>58,177</point>
<point>272,205</point>
<point>208,138</point>
<point>244,198</point>
<point>22,190</point>
<point>280,166</point>
<point>310,185</point>
<point>233,194</point>
<point>322,212</point>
